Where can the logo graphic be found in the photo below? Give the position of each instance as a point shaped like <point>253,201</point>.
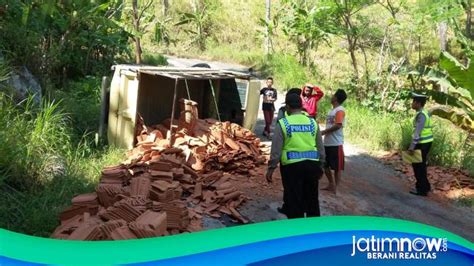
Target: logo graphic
<point>420,248</point>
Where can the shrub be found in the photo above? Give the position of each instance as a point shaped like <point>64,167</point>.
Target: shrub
<point>33,142</point>
<point>388,131</point>
<point>41,168</point>
<point>286,71</point>
<point>154,59</point>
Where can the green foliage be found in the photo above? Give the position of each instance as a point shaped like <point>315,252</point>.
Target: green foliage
<point>163,29</point>
<point>286,71</point>
<point>449,146</point>
<point>35,211</point>
<point>307,26</point>
<point>154,59</point>
<point>63,40</point>
<point>228,52</point>
<point>452,87</point>
<point>199,22</point>
<point>462,75</point>
<point>376,131</point>
<point>33,142</point>
<point>40,166</point>
<point>5,70</point>
<point>80,100</point>
<point>387,131</point>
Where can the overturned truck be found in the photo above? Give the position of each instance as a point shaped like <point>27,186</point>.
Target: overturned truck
<point>153,92</point>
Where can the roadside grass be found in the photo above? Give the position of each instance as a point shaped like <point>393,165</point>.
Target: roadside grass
<point>80,103</point>
<point>229,53</point>
<point>286,71</point>
<point>45,159</point>
<point>377,131</point>
<point>154,59</point>
<point>35,211</point>
<point>465,201</point>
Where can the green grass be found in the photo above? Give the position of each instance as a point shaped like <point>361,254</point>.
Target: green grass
<point>286,71</point>
<point>153,59</point>
<point>80,102</point>
<point>44,161</point>
<point>35,211</point>
<point>377,131</point>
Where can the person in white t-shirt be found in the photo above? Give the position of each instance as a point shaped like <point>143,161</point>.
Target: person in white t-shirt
<point>334,140</point>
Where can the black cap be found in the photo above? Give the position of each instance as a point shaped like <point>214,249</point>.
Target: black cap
<point>294,90</point>
<point>293,100</point>
<point>418,96</point>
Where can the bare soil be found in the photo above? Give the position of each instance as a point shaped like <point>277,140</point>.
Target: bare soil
<point>369,187</point>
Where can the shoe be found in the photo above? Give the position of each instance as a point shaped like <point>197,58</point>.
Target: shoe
<point>417,193</point>
<point>281,210</point>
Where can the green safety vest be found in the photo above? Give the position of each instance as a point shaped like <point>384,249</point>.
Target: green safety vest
<point>426,134</point>
<point>299,133</point>
<point>285,114</point>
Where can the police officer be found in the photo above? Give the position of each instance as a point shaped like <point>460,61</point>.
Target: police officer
<point>296,145</point>
<point>422,140</point>
<point>283,112</point>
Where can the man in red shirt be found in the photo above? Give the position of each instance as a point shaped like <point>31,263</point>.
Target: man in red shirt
<point>310,95</point>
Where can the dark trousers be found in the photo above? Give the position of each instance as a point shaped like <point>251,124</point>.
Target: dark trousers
<point>268,115</point>
<point>421,170</point>
<point>285,191</point>
<point>301,189</point>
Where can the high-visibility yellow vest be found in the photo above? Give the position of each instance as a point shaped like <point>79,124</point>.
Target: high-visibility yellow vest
<point>426,134</point>
<point>286,114</point>
<point>299,133</point>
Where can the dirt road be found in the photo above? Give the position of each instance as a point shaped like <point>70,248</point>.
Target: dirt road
<point>368,187</point>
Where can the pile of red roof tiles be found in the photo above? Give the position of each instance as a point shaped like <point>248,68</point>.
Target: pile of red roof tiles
<point>165,187</point>
<point>442,179</point>
<point>207,143</point>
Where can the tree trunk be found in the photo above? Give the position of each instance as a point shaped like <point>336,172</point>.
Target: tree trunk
<point>468,18</point>
<point>267,20</point>
<point>443,35</point>
<point>351,48</point>
<point>136,25</point>
<point>366,66</point>
<point>166,6</point>
<point>382,52</point>
<point>352,43</point>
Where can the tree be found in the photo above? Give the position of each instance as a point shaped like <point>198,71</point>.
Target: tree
<point>307,26</point>
<point>267,22</point>
<point>198,21</point>
<point>63,40</point>
<point>138,17</point>
<point>451,85</point>
<point>345,11</point>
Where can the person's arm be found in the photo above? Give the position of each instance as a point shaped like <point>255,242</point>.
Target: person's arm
<point>320,145</point>
<point>277,145</point>
<point>337,125</point>
<point>319,93</point>
<point>281,113</point>
<point>420,124</point>
<point>275,154</point>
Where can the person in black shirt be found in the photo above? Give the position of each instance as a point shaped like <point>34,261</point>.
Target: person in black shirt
<point>269,97</point>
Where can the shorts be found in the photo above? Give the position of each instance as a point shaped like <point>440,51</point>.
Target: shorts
<point>334,157</point>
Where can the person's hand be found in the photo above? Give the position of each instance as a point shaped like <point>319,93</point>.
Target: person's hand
<point>269,175</point>
<point>411,151</point>
<point>323,132</point>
